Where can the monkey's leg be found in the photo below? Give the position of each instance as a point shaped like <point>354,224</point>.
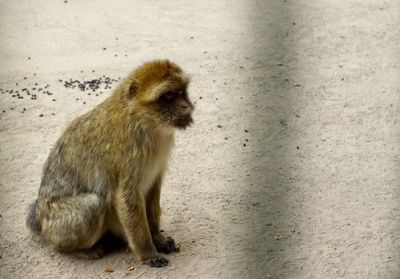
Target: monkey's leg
<point>163,244</point>
<point>73,223</point>
<point>131,212</point>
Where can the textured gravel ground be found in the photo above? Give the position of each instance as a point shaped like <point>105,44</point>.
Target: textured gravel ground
<point>292,167</point>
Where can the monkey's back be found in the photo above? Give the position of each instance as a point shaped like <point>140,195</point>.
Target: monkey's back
<point>84,154</point>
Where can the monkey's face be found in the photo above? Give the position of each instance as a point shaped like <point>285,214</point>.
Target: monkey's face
<point>160,88</point>
<point>175,108</point>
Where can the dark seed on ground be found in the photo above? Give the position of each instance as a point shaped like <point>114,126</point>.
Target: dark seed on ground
<point>84,103</point>
<point>298,147</point>
<point>246,131</point>
<point>244,144</point>
<point>219,126</point>
<point>54,100</point>
<point>41,115</point>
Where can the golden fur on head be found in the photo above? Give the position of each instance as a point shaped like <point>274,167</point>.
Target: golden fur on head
<point>155,77</point>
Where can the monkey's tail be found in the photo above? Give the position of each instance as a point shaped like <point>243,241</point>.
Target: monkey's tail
<point>31,222</point>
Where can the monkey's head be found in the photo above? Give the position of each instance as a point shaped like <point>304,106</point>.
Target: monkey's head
<point>160,88</point>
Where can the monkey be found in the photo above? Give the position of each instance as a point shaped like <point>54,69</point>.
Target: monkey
<point>104,174</point>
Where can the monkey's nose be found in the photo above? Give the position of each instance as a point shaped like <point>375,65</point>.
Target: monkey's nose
<point>185,109</point>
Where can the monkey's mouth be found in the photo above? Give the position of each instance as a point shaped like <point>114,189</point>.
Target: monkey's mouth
<point>183,122</point>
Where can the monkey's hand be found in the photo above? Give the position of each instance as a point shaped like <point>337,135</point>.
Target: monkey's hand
<point>163,244</point>
<point>157,262</point>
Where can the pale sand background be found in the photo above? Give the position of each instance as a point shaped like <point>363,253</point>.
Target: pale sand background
<point>314,194</point>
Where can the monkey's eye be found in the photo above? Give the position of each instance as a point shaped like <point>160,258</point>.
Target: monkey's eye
<point>169,95</point>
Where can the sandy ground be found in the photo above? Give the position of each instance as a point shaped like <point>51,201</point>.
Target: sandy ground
<point>292,167</point>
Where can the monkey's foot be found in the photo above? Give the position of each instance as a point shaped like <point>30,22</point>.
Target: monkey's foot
<point>94,253</point>
<point>165,245</point>
<point>157,262</point>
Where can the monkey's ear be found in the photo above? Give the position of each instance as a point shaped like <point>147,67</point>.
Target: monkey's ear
<point>132,89</point>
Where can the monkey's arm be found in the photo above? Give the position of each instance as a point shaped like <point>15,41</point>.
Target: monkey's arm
<point>131,211</point>
<point>153,210</point>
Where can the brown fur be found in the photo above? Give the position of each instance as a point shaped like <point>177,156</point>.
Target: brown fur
<point>105,172</point>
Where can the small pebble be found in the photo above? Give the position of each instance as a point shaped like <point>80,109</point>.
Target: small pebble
<point>41,115</point>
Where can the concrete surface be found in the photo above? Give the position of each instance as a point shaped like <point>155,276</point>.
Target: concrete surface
<point>301,178</point>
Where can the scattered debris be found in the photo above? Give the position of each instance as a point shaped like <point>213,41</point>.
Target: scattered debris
<point>109,270</point>
<point>278,236</point>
